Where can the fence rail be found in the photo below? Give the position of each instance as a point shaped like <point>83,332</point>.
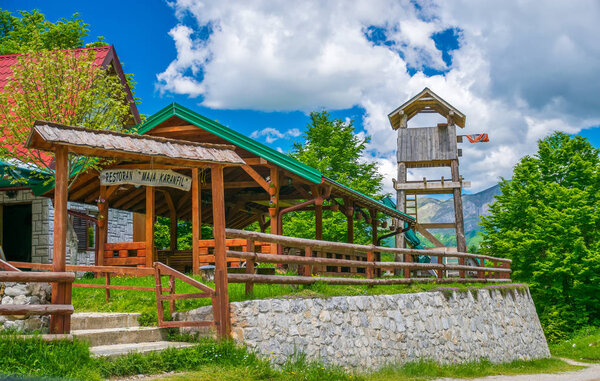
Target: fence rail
<point>321,255</point>
<point>13,274</point>
<point>106,271</point>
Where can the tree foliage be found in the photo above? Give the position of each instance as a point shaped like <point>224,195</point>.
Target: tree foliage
<point>64,87</point>
<point>333,147</point>
<point>52,83</point>
<point>32,32</point>
<point>547,221</point>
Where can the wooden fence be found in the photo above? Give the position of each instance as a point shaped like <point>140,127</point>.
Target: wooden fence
<point>318,255</point>
<point>13,274</point>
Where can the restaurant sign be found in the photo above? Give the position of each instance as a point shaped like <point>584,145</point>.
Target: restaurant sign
<point>146,177</point>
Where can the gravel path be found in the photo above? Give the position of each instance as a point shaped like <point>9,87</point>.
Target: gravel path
<point>591,373</point>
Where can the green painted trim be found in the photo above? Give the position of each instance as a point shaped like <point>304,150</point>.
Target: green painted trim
<point>233,137</point>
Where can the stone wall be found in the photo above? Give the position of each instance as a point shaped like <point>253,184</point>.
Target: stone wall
<point>25,293</point>
<point>120,227</point>
<point>500,324</point>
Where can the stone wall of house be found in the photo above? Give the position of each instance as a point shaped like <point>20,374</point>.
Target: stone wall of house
<point>41,235</point>
<point>120,227</point>
<point>25,293</point>
<point>362,332</point>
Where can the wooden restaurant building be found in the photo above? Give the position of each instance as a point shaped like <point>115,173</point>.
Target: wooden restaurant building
<point>259,184</point>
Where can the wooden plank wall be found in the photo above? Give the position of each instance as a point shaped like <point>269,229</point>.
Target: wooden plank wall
<point>427,144</point>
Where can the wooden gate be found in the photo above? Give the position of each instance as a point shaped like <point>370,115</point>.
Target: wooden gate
<point>160,270</point>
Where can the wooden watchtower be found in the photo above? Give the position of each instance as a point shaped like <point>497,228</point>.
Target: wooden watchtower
<point>427,147</point>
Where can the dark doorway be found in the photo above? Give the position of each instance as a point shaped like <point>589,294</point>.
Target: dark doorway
<point>16,232</point>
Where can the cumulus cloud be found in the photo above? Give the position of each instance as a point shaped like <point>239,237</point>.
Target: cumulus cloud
<point>520,71</point>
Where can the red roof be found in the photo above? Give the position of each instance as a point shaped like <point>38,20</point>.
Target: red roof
<point>105,55</point>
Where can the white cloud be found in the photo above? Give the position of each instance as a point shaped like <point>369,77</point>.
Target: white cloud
<point>521,70</point>
<point>271,134</point>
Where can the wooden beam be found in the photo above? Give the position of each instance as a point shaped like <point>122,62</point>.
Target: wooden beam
<point>274,203</point>
<point>131,196</point>
<point>438,225</point>
<point>349,205</point>
<point>256,176</point>
<point>60,323</point>
<point>256,161</point>
<point>150,199</point>
<point>429,236</point>
<point>221,288</point>
<point>196,220</point>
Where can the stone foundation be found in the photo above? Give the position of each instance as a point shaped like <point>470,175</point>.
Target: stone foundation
<point>498,323</point>
<point>25,293</point>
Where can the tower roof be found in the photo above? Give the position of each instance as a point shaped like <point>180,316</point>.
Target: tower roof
<point>425,102</point>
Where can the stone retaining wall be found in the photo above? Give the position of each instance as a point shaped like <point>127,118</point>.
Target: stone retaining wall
<point>498,323</point>
<point>25,293</point>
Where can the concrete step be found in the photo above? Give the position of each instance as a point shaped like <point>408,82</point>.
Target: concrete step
<point>103,320</point>
<point>123,349</point>
<point>129,335</point>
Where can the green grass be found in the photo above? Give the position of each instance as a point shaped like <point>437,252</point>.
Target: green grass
<point>93,300</point>
<point>209,360</point>
<point>427,370</point>
<point>583,346</point>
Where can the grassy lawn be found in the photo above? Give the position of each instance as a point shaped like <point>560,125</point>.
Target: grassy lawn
<point>209,360</point>
<point>86,300</point>
<point>583,346</point>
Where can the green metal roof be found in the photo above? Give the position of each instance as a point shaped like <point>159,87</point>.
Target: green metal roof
<point>284,161</point>
<point>234,138</point>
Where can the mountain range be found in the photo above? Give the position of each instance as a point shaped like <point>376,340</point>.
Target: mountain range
<point>474,206</point>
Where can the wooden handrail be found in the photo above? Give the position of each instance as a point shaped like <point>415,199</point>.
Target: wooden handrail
<point>284,279</point>
<point>7,266</point>
<point>36,309</point>
<point>349,248</point>
<point>132,271</point>
<point>20,276</point>
<point>294,259</point>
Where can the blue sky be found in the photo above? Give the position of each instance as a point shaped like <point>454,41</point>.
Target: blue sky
<point>258,67</point>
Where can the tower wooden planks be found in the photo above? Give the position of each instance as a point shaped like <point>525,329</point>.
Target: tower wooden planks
<point>427,147</point>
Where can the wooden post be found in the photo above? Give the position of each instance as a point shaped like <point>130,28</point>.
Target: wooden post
<point>350,220</point>
<point>250,265</point>
<point>401,206</point>
<point>218,201</point>
<point>307,254</point>
<point>374,225</point>
<point>370,270</point>
<point>319,218</point>
<point>107,290</point>
<point>274,204</point>
<point>102,225</point>
<point>150,194</point>
<point>171,292</point>
<point>461,244</point>
<point>60,323</point>
<point>196,220</point>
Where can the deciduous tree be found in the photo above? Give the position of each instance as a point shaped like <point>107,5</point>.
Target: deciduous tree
<point>547,221</point>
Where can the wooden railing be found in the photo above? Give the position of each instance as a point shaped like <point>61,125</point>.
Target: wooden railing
<point>181,260</point>
<point>106,271</point>
<point>125,254</point>
<point>316,260</point>
<point>13,274</point>
<point>157,271</point>
<point>160,270</point>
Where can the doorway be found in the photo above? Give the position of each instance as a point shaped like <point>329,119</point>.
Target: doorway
<point>16,232</point>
